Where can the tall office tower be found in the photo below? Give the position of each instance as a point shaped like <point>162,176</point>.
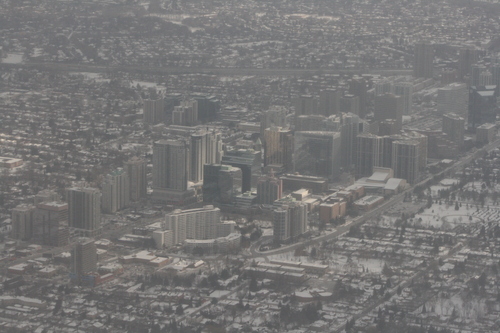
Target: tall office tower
<point>309,123</point>
<point>281,226</point>
<point>348,126</point>
<point>208,107</point>
<point>423,143</point>
<point>452,99</point>
<point>485,78</point>
<point>329,102</point>
<point>495,73</point>
<point>153,111</point>
<point>475,74</point>
<point>350,103</point>
<point>405,160</point>
<point>22,222</point>
<point>269,189</point>
<point>454,128</point>
<point>83,259</point>
<point>50,224</point>
<point>115,191</point>
<point>229,183</point>
<point>197,156</point>
<point>317,154</point>
<point>358,87</point>
<point>249,161</point>
<point>369,154</point>
<point>482,106</point>
<point>170,165</point>
<point>46,196</point>
<point>274,117</point>
<point>136,172</point>
<point>383,87</point>
<point>169,102</point>
<point>466,58</point>
<point>278,147</point>
<point>389,106</point>
<point>305,105</point>
<point>211,191</point>
<point>405,91</point>
<point>290,222</point>
<point>84,209</point>
<point>186,113</point>
<point>424,57</point>
<point>205,148</point>
<point>448,76</point>
<point>198,223</point>
<point>386,127</point>
<point>386,150</point>
<point>222,183</point>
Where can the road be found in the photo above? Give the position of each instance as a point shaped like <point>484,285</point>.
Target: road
<point>402,285</point>
<point>254,252</point>
<point>65,67</point>
<point>254,249</point>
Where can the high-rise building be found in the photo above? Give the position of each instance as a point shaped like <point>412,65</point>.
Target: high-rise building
<point>389,106</point>
<point>485,78</point>
<point>186,113</point>
<point>222,183</point>
<point>466,58</point>
<point>305,105</point>
<point>84,204</point>
<point>198,223</point>
<point>348,126</point>
<point>170,165</point>
<point>369,154</point>
<point>454,128</point>
<point>208,107</point>
<point>46,196</point>
<point>350,104</point>
<point>274,117</point>
<point>269,189</point>
<point>83,260</point>
<point>317,154</point>
<point>405,91</point>
<point>136,172</point>
<point>329,102</point>
<point>423,143</point>
<point>405,160</point>
<point>482,106</point>
<point>359,88</point>
<point>153,111</point>
<point>475,74</point>
<point>50,224</point>
<point>309,123</point>
<point>290,222</point>
<point>281,226</point>
<point>383,87</point>
<point>485,133</point>
<point>249,161</point>
<point>424,57</point>
<point>22,222</point>
<point>495,73</point>
<point>205,148</point>
<point>115,191</point>
<point>452,99</point>
<point>278,147</point>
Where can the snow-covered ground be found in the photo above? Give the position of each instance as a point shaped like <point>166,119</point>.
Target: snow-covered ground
<point>13,58</point>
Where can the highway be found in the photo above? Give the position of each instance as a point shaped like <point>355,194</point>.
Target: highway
<point>150,70</point>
